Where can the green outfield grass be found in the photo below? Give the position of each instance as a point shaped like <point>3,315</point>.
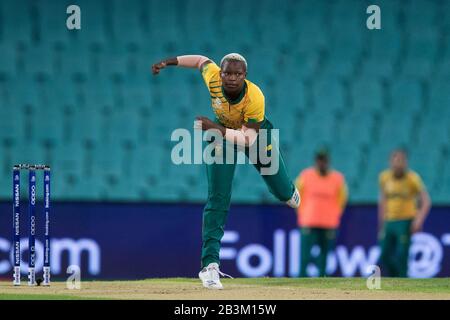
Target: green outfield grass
<point>42,297</point>
<point>441,285</point>
<point>259,288</point>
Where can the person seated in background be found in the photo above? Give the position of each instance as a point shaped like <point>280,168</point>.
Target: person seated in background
<point>324,195</point>
<point>401,190</point>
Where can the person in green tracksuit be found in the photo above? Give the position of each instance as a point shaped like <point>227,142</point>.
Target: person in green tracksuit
<point>401,190</point>
<point>240,119</point>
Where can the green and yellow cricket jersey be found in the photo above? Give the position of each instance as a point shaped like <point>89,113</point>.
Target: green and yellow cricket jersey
<point>249,108</point>
<point>401,194</point>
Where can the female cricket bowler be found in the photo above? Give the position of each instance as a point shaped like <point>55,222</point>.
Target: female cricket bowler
<point>239,108</point>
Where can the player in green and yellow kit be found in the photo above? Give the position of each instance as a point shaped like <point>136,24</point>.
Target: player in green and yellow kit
<point>239,108</point>
<point>399,215</point>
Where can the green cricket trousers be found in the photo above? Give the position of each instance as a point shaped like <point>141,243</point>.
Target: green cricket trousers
<point>395,240</point>
<point>220,178</point>
<point>325,239</point>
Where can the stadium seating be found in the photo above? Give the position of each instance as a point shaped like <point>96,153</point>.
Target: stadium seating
<point>84,100</point>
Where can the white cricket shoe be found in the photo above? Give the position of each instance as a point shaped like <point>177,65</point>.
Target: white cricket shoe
<point>210,276</point>
<point>294,202</point>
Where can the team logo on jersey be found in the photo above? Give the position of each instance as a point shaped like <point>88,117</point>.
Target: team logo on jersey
<point>217,104</point>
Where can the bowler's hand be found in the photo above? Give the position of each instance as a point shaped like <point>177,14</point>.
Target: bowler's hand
<point>157,67</point>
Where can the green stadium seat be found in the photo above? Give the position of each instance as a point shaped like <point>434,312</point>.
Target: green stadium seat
<point>367,94</point>
<point>39,61</point>
<point>136,96</point>
<point>393,7</point>
<point>113,65</point>
<point>375,66</point>
<point>147,164</point>
<point>12,124</point>
<point>434,133</point>
<point>443,69</point>
<point>77,64</point>
<point>120,190</point>
<point>261,65</point>
<point>318,131</point>
<point>124,126</point>
<point>60,91</point>
<point>162,26</point>
<point>385,45</point>
<point>444,23</point>
<point>107,162</point>
<point>406,95</point>
<point>52,26</point>
<point>90,188</point>
<point>68,159</point>
<point>393,135</point>
<point>345,47</point>
<point>420,68</point>
<point>307,24</point>
<point>195,24</point>
<point>420,17</point>
<point>16,21</point>
<point>361,122</point>
<point>46,124</point>
<point>440,196</point>
<point>8,65</point>
<point>87,125</point>
<point>346,15</point>
<point>25,92</point>
<point>367,191</point>
<point>99,94</point>
<point>5,188</point>
<point>126,13</point>
<point>299,65</point>
<point>328,94</point>
<point>339,64</point>
<point>198,195</point>
<point>346,158</point>
<point>440,95</point>
<point>428,164</point>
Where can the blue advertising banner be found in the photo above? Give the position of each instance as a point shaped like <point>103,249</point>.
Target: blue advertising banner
<point>136,241</point>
